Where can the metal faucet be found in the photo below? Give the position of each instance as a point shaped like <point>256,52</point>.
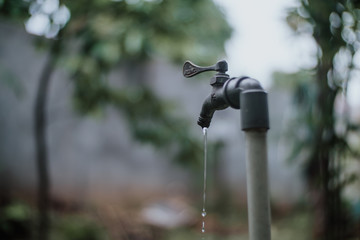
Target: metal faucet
<point>240,93</point>
<point>248,95</point>
<point>215,101</point>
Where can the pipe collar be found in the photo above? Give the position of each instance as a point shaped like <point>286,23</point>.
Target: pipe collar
<point>248,95</point>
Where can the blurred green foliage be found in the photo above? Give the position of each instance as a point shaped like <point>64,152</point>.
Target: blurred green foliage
<point>140,29</point>
<point>77,228</point>
<point>91,38</point>
<point>16,9</point>
<point>102,35</point>
<point>322,131</point>
<point>15,222</point>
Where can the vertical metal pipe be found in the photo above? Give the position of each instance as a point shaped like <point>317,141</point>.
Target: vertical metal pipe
<point>257,185</point>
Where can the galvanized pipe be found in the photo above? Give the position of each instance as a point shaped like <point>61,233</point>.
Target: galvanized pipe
<point>257,184</point>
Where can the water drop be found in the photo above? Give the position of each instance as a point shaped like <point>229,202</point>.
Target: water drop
<point>203,214</point>
<point>205,130</point>
<point>203,227</point>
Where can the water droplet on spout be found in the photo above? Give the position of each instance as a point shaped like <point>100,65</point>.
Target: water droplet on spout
<point>205,130</point>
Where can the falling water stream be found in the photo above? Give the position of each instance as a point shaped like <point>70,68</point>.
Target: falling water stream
<point>203,212</point>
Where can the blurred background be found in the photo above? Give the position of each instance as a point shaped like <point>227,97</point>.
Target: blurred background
<point>98,134</point>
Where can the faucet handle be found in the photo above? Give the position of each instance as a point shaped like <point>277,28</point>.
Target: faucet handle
<point>190,69</point>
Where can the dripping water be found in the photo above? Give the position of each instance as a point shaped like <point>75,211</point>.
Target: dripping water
<point>203,212</point>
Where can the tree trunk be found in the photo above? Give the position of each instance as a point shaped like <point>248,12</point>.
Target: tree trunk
<point>43,190</point>
<point>330,218</point>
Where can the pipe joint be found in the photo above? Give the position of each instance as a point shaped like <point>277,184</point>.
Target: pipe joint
<point>248,95</point>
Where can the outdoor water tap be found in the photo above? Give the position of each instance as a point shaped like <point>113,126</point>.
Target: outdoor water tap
<point>246,94</point>
<point>215,101</point>
<point>239,92</point>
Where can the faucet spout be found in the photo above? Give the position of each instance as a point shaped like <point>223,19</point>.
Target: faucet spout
<point>215,101</point>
